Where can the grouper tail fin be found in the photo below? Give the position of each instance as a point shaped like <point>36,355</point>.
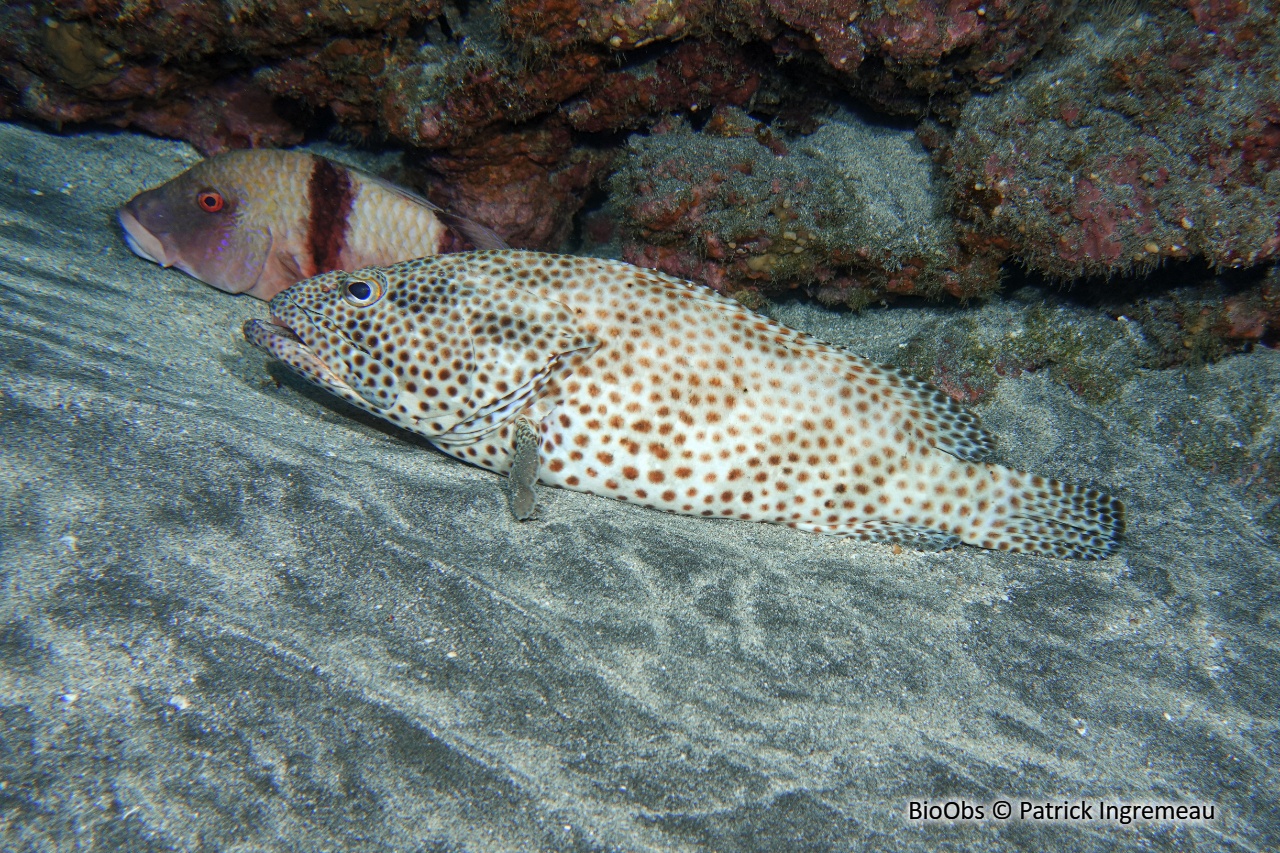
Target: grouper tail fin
<point>1030,514</point>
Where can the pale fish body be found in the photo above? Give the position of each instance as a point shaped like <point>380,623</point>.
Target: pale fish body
<point>259,221</point>
<point>645,388</point>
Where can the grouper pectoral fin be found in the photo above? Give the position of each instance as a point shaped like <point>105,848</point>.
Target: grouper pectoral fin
<point>524,470</point>
<point>524,345</point>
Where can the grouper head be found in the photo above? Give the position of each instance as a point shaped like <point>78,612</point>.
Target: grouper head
<point>345,323</point>
<point>209,221</point>
<point>437,344</point>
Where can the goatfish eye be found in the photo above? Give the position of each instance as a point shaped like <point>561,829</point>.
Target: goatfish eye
<point>210,201</point>
<point>364,288</point>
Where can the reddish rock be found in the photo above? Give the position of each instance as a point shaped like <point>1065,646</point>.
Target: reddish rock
<point>221,118</point>
<point>920,55</point>
<point>1086,176</point>
<point>527,184</point>
<point>175,69</point>
<point>111,60</point>
<point>1254,314</point>
<point>1151,138</point>
<point>471,99</point>
<point>899,53</point>
<point>561,25</point>
<point>373,67</point>
<point>464,83</point>
<point>695,76</point>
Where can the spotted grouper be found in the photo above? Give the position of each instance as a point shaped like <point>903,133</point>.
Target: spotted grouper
<point>611,379</point>
<point>257,222</point>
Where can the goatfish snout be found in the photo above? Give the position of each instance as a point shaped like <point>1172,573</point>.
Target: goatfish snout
<point>260,221</point>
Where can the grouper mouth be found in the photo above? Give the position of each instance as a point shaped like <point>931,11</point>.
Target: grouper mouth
<point>279,341</point>
<point>291,336</point>
<point>307,327</point>
<point>279,337</point>
<point>283,329</point>
<point>288,316</point>
<point>275,337</point>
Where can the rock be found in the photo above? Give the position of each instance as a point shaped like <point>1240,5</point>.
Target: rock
<point>457,81</point>
<point>1152,136</point>
<point>851,212</point>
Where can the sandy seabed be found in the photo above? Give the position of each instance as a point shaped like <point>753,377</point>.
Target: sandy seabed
<point>237,615</point>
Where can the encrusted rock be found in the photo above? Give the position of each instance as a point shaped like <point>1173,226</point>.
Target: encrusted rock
<point>1153,136</point>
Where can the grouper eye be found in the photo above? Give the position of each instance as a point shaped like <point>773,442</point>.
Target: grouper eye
<point>365,288</point>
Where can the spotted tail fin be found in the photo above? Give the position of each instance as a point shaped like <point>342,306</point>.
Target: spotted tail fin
<point>1036,515</point>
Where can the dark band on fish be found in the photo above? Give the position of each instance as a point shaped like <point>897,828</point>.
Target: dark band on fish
<point>330,196</point>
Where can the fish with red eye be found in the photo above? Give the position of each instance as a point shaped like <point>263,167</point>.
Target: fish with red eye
<point>258,221</point>
<point>210,201</point>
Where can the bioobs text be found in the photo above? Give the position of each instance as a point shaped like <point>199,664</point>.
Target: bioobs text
<point>949,810</point>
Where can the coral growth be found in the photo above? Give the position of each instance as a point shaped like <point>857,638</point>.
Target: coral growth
<point>1199,324</point>
<point>1149,138</point>
<point>1098,343</point>
<point>849,212</point>
<point>967,355</point>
